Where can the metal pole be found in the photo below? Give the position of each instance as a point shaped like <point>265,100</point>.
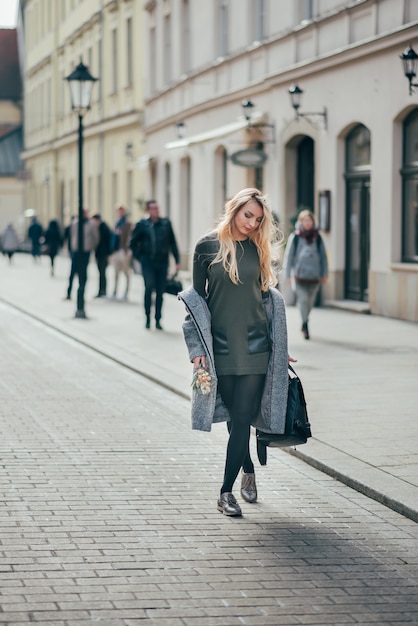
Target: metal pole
<point>81,265</point>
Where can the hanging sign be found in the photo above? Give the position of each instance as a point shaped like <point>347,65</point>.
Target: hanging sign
<point>249,158</point>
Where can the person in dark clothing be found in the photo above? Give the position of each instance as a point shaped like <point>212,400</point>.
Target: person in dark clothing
<point>102,253</point>
<point>67,234</point>
<point>53,241</point>
<point>80,261</point>
<point>35,233</point>
<point>233,281</point>
<point>306,259</point>
<point>151,242</point>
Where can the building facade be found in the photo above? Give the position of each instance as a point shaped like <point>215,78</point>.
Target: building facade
<point>105,35</point>
<point>349,152</point>
<point>11,139</point>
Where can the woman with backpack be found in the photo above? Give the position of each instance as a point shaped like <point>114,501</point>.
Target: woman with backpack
<point>306,259</point>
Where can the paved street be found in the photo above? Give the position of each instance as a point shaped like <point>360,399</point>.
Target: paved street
<point>359,372</point>
<point>108,511</point>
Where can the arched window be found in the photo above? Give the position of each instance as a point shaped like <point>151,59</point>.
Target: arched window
<point>410,188</point>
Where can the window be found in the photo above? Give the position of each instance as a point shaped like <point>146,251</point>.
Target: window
<point>185,38</point>
<point>115,60</point>
<point>90,59</point>
<point>167,49</point>
<point>114,188</point>
<point>167,183</point>
<point>358,149</point>
<point>152,53</point>
<point>410,188</point>
<point>129,189</point>
<point>257,20</point>
<point>99,69</point>
<point>129,53</point>
<point>223,27</point>
<point>305,10</point>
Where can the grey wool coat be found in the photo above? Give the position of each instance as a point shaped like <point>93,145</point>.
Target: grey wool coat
<point>208,409</point>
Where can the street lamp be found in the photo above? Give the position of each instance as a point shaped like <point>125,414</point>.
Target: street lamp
<point>81,84</point>
<point>295,93</point>
<point>409,59</point>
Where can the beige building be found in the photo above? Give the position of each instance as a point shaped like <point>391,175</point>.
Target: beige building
<point>350,155</point>
<point>11,140</point>
<point>106,35</point>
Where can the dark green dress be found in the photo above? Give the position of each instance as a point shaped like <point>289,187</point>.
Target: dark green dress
<point>239,323</point>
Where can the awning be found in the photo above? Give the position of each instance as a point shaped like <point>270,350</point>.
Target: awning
<point>221,131</point>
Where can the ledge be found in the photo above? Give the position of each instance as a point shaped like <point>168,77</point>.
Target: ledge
<point>404,267</point>
<point>349,305</point>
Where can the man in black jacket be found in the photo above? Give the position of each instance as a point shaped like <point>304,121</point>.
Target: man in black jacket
<point>152,241</point>
<point>102,253</point>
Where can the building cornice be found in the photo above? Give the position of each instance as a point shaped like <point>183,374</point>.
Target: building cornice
<point>352,52</point>
<point>92,130</point>
<point>39,66</point>
<point>112,5</point>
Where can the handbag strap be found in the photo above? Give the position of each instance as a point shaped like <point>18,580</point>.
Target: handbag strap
<point>292,370</point>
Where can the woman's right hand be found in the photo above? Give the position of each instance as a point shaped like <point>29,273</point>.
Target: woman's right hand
<point>199,361</point>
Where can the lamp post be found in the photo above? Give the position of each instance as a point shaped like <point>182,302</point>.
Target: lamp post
<point>409,60</point>
<point>81,84</point>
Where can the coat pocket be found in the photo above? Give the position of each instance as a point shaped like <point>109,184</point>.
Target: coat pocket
<point>258,339</point>
<point>220,341</point>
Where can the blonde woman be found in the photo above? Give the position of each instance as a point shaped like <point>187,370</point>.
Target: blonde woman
<point>236,330</point>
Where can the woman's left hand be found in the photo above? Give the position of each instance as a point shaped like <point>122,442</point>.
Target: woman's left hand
<point>290,359</point>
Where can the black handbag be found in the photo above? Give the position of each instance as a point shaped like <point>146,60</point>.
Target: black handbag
<point>297,428</point>
<point>173,286</point>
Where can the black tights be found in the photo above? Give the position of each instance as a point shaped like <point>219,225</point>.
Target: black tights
<point>241,396</point>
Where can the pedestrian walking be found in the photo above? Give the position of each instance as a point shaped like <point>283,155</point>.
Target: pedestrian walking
<point>102,253</point>
<point>152,242</point>
<point>121,252</point>
<point>236,336</point>
<point>80,260</point>
<point>9,241</point>
<point>53,242</point>
<point>306,261</point>
<point>35,234</point>
<point>67,234</point>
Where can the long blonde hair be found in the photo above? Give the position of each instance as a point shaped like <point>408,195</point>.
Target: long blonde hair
<point>262,237</point>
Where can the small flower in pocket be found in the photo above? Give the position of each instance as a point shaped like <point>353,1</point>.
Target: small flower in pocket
<point>202,380</point>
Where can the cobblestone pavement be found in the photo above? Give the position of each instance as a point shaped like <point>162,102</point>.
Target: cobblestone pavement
<point>108,511</point>
<point>359,372</point>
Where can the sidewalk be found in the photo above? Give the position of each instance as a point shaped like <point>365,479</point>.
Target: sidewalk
<point>359,372</point>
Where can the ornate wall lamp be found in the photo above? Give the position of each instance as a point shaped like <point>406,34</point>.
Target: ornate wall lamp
<point>247,107</point>
<point>409,60</point>
<point>181,129</point>
<point>129,151</point>
<point>295,97</point>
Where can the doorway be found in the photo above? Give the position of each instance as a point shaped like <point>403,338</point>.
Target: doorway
<point>357,177</point>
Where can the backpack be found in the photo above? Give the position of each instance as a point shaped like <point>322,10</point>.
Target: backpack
<point>308,264</point>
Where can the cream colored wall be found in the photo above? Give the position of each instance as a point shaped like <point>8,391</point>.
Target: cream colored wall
<point>53,49</point>
<point>347,59</point>
<point>11,201</point>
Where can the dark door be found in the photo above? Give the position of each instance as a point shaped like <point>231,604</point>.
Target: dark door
<point>357,248</point>
<point>305,175</point>
<point>357,245</point>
